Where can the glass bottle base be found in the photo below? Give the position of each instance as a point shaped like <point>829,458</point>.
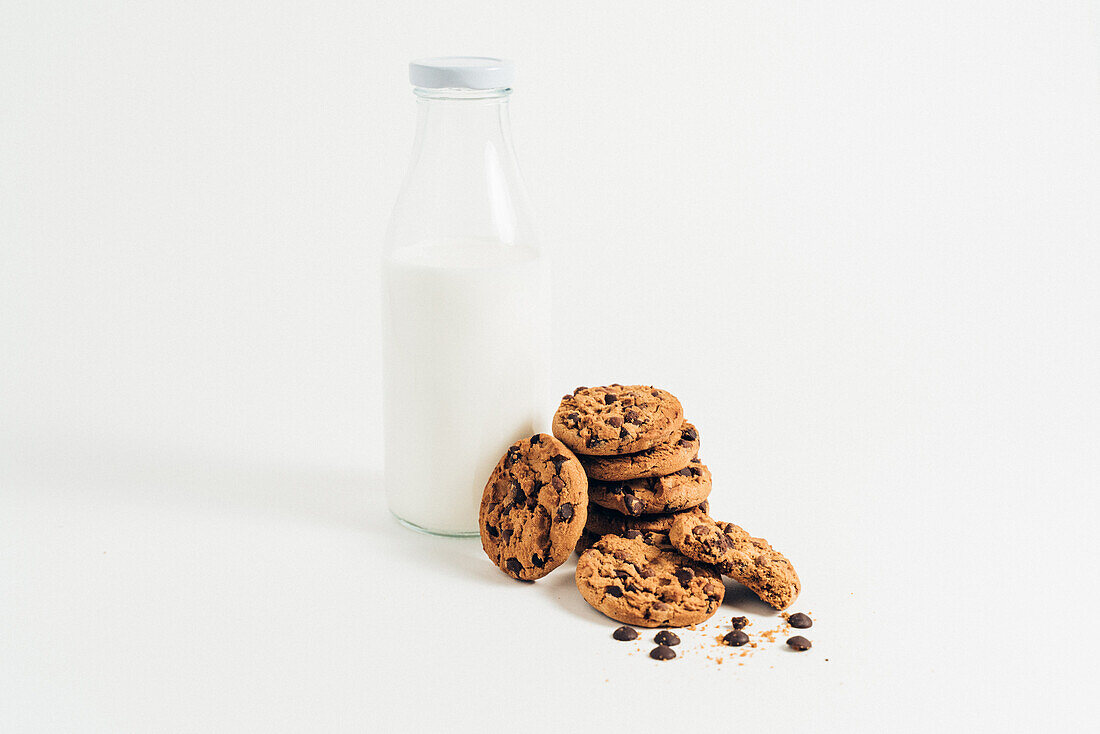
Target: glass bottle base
<point>438,533</point>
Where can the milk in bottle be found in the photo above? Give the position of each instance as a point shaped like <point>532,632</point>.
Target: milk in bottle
<point>465,305</point>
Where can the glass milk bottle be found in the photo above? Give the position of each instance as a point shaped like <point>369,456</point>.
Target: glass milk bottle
<point>465,308</point>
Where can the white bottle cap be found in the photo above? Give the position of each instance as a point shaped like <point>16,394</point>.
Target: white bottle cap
<point>461,72</point>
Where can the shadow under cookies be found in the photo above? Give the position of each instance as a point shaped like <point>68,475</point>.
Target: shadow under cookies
<point>742,599</point>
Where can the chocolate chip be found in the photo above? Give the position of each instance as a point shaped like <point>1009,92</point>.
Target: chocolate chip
<point>662,652</point>
<point>623,433</point>
<point>514,565</point>
<point>565,512</point>
<point>700,530</point>
<point>660,606</point>
<point>625,634</point>
<point>622,574</point>
<point>557,483</point>
<point>685,575</point>
<point>737,638</point>
<point>510,457</point>
<point>664,637</point>
<point>592,441</point>
<point>536,561</point>
<point>800,643</point>
<point>655,393</point>
<point>646,573</point>
<point>535,440</point>
<point>714,590</point>
<point>609,398</point>
<point>634,506</point>
<point>557,461</point>
<point>519,498</point>
<point>506,534</point>
<point>614,591</point>
<point>685,472</point>
<point>632,534</point>
<point>739,622</point>
<point>493,532</point>
<point>689,434</point>
<point>801,621</point>
<point>577,390</point>
<point>615,421</point>
<point>632,416</point>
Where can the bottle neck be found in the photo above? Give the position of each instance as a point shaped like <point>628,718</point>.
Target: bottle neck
<point>452,120</point>
<point>463,179</point>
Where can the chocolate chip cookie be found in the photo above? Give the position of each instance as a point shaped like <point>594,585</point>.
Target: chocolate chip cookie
<point>678,491</point>
<point>657,461</point>
<point>617,419</point>
<point>602,521</point>
<point>534,507</point>
<point>637,583</point>
<point>751,561</point>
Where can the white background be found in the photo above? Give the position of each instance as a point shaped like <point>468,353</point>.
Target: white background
<point>858,240</point>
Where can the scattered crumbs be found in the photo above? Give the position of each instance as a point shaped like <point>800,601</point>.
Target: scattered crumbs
<point>719,660</point>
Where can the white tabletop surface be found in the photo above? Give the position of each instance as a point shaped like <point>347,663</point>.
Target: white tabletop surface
<point>857,240</point>
<point>162,594</point>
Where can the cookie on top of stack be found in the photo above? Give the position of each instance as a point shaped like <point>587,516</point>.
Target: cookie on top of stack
<point>640,455</point>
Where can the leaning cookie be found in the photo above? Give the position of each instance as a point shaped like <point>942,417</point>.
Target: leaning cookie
<point>657,461</point>
<point>534,508</point>
<point>602,521</point>
<point>634,582</point>
<point>684,489</point>
<point>751,561</point>
<point>617,419</point>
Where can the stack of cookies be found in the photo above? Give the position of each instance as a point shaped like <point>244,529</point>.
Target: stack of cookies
<point>640,455</point>
<point>621,482</point>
